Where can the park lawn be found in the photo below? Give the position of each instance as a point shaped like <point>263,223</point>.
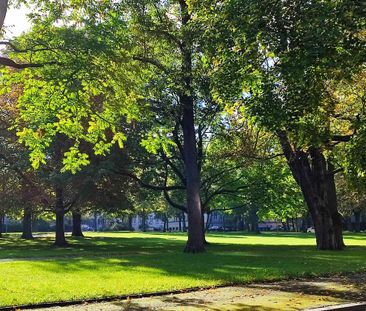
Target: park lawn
<point>113,264</point>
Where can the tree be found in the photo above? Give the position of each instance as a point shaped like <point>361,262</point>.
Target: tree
<point>274,62</point>
<point>175,65</point>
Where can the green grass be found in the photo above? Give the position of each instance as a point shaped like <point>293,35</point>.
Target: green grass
<point>109,264</point>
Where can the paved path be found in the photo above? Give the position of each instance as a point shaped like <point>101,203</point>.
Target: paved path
<point>284,295</point>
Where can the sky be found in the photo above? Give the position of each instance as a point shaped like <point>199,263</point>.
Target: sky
<point>16,22</point>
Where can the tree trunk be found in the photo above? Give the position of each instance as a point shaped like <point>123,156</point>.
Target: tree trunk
<point>240,225</point>
<point>60,217</point>
<point>76,224</point>
<point>195,241</point>
<point>1,224</point>
<point>130,217</point>
<point>27,224</point>
<point>305,223</point>
<point>143,221</point>
<point>184,222</point>
<point>254,219</point>
<point>315,176</point>
<point>204,228</point>
<point>357,225</point>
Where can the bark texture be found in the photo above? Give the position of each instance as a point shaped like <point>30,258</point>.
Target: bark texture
<point>27,224</point>
<point>195,241</point>
<point>60,218</point>
<point>357,224</point>
<point>1,224</point>
<point>76,224</point>
<point>315,176</point>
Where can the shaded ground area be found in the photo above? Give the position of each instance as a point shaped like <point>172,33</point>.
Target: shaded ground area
<point>285,295</point>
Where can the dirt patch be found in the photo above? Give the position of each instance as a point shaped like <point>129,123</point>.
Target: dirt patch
<point>284,295</point>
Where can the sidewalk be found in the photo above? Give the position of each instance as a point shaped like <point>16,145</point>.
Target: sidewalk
<point>284,295</point>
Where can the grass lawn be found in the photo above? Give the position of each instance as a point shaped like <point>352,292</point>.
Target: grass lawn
<point>108,264</point>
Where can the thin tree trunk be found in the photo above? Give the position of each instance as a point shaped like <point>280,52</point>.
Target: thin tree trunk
<point>204,228</point>
<point>2,216</point>
<point>143,218</point>
<point>305,223</point>
<point>60,217</point>
<point>184,222</point>
<point>357,225</point>
<point>288,225</point>
<point>76,224</point>
<point>130,217</point>
<point>315,176</point>
<point>27,224</point>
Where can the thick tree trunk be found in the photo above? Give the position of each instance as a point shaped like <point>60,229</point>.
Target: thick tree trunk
<point>315,176</point>
<point>357,225</point>
<point>27,224</point>
<point>254,219</point>
<point>196,240</point>
<point>76,224</point>
<point>60,217</point>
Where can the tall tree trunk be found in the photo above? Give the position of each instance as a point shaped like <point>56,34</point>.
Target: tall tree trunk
<point>76,224</point>
<point>357,225</point>
<point>195,241</point>
<point>27,224</point>
<point>60,218</point>
<point>315,176</point>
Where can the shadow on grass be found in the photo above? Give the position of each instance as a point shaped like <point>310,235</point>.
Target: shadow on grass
<point>223,263</point>
<point>42,247</point>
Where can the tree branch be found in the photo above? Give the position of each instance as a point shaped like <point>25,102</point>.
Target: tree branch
<point>149,186</point>
<point>148,60</point>
<point>4,61</point>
